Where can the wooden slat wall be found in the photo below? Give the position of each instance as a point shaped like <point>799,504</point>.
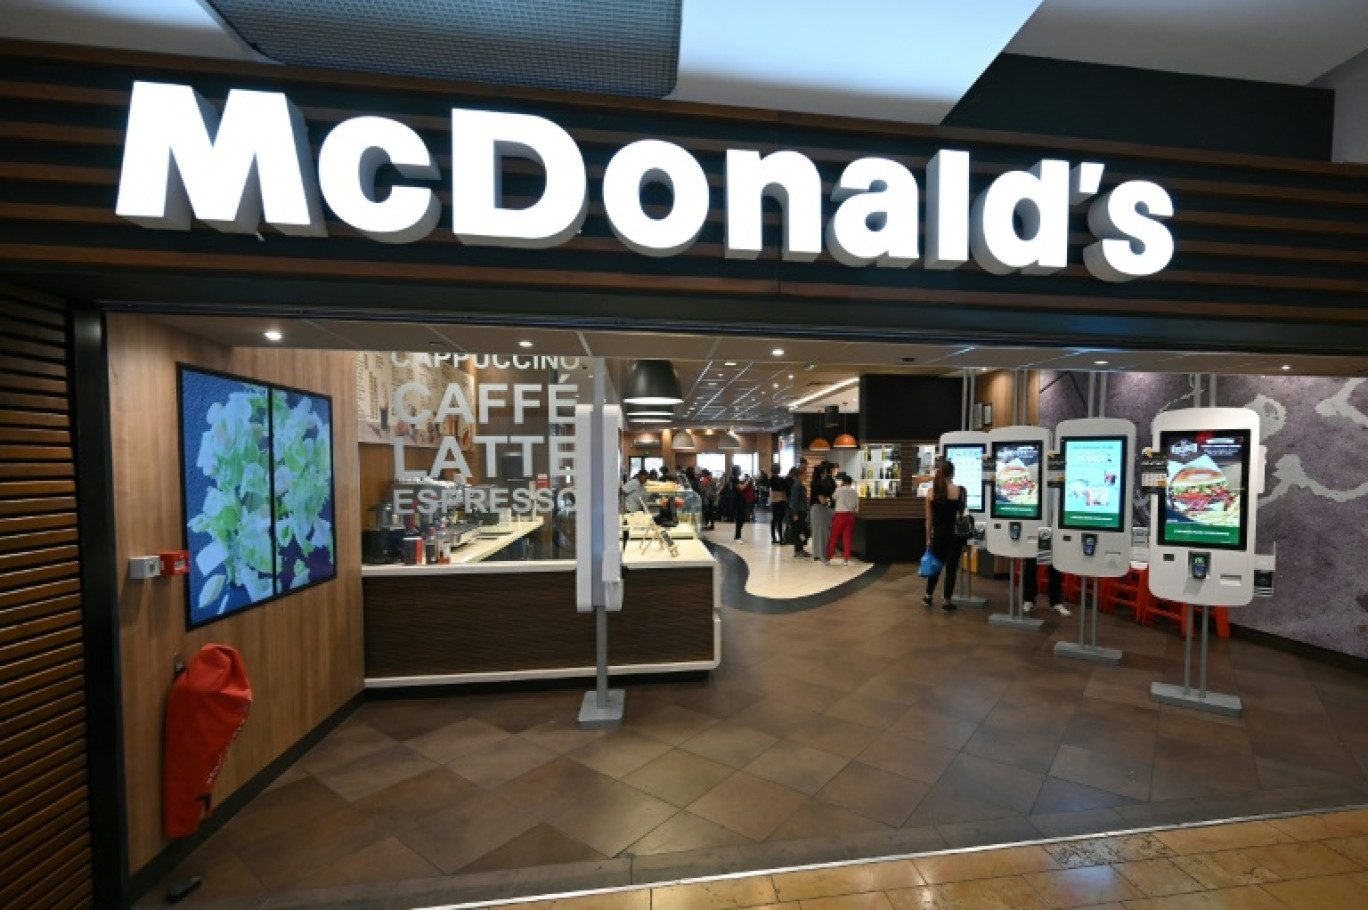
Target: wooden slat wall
<point>1265,247</point>
<point>303,652</point>
<point>45,859</point>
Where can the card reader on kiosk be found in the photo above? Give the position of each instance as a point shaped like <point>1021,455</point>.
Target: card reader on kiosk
<point>1198,565</point>
<point>1092,516</point>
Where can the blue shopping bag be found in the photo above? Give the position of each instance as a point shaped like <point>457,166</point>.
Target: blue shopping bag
<point>930,565</point>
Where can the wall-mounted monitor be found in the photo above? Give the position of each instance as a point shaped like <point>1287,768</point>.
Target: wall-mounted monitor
<point>257,491</point>
<point>968,461</point>
<point>1016,481</point>
<point>1094,492</point>
<point>1206,503</point>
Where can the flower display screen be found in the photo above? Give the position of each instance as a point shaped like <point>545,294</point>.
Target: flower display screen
<point>257,486</point>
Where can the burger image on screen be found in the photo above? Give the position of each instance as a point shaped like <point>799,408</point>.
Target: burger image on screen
<point>1015,483</point>
<point>1200,494</point>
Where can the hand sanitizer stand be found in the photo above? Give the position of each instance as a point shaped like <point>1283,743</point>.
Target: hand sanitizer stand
<point>598,570</point>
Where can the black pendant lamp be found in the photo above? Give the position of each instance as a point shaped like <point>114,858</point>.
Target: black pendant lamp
<point>831,415</point>
<point>652,382</point>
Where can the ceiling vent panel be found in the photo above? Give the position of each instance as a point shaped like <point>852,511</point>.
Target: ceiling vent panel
<point>622,47</point>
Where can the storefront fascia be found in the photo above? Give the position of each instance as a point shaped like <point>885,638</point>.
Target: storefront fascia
<point>1266,259</point>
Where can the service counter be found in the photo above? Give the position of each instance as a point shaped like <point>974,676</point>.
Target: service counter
<point>492,621</point>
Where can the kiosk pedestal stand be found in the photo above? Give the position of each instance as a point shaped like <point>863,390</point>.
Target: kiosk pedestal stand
<point>1014,618</point>
<point>602,708</point>
<point>1085,649</point>
<point>1183,696</point>
<point>967,599</point>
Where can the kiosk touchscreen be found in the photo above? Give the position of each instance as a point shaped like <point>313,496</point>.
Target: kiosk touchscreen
<point>1017,505</point>
<point>1202,523</point>
<point>1093,517</point>
<point>965,450</point>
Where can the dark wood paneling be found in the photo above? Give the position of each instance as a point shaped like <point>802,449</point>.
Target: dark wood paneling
<point>44,810</point>
<point>422,625</point>
<point>1262,243</point>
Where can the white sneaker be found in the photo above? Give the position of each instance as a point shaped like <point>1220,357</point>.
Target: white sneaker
<point>1061,610</point>
<point>1027,606</point>
<point>845,562</point>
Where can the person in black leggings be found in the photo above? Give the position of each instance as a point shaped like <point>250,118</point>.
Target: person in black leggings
<point>778,503</point>
<point>944,502</point>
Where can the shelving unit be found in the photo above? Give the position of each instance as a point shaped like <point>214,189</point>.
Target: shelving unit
<point>878,471</point>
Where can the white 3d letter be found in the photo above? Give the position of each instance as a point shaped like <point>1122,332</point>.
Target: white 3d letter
<point>652,161</point>
<point>256,160</point>
<point>947,210</point>
<point>1041,195</point>
<point>1131,241</point>
<point>787,176</point>
<point>877,218</point>
<point>479,142</point>
<point>347,163</point>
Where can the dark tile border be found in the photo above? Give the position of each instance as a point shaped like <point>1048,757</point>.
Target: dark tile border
<point>735,595</point>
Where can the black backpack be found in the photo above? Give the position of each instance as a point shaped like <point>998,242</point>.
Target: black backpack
<point>964,522</point>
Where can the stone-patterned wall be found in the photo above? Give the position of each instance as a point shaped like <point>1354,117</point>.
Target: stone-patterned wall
<point>1316,505</point>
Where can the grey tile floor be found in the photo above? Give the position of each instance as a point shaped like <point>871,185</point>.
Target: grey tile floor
<point>869,726</point>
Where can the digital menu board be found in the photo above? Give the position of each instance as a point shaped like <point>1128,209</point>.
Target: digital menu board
<point>1205,502</point>
<point>257,487</point>
<point>1094,483</point>
<point>968,462</point>
<point>1016,482</point>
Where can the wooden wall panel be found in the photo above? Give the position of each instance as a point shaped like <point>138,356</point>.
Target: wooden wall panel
<point>44,807</point>
<point>303,652</point>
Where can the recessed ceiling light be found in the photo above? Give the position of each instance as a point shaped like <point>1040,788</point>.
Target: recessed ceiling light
<point>778,352</point>
<point>524,344</point>
<point>790,375</point>
<point>1287,366</point>
<point>730,363</point>
<point>272,335</point>
<point>776,385</point>
<point>1101,363</point>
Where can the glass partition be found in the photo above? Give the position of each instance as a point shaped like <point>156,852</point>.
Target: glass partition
<point>468,458</point>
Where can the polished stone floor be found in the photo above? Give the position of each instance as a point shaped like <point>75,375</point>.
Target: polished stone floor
<point>867,726</point>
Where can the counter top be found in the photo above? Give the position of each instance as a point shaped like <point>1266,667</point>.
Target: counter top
<point>692,555</point>
<point>472,556</point>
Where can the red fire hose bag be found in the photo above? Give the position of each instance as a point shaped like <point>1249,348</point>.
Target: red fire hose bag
<point>207,707</point>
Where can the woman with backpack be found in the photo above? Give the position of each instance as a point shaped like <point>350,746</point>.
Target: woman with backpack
<point>945,503</point>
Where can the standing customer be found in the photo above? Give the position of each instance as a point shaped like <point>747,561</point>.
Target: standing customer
<point>944,503</point>
<point>742,496</point>
<point>778,499</point>
<point>823,489</point>
<point>798,511</point>
<point>847,503</point>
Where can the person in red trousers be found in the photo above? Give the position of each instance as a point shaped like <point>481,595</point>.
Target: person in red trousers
<point>847,503</point>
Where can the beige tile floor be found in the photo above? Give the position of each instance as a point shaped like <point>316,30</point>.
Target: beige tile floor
<point>1300,862</point>
<point>774,572</point>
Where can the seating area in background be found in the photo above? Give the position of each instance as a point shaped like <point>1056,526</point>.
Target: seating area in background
<point>1131,592</point>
